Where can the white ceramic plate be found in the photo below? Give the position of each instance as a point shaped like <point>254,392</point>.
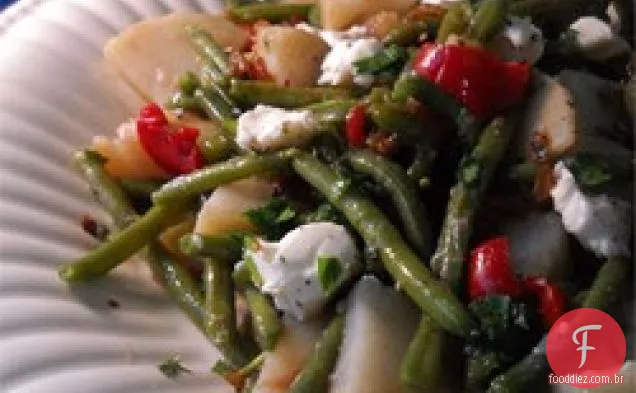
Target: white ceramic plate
<point>53,339</point>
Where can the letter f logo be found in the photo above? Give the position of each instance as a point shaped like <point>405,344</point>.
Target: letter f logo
<point>583,344</point>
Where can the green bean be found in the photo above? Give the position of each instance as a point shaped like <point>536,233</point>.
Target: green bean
<point>403,193</point>
<point>411,85</point>
<point>211,74</point>
<point>331,113</point>
<point>523,376</point>
<point>220,248</point>
<point>406,34</point>
<point>603,292</point>
<point>108,193</point>
<point>178,282</point>
<point>192,185</point>
<point>455,21</point>
<point>314,377</point>
<point>214,104</point>
<point>421,367</point>
<point>434,297</point>
<point>313,17</point>
<point>116,249</point>
<point>271,12</point>
<point>212,53</point>
<point>266,323</point>
<point>473,177</point>
<point>189,82</point>
<point>394,117</point>
<point>185,102</point>
<point>140,188</point>
<point>488,20</point>
<point>220,315</point>
<point>215,146</point>
<point>607,284</point>
<point>251,93</point>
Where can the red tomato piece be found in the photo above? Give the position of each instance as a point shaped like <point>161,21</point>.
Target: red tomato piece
<point>552,301</point>
<point>173,149</point>
<point>354,126</point>
<point>489,271</point>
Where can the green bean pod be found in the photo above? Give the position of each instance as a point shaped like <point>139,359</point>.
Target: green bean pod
<point>212,53</point>
<point>606,287</point>
<point>179,284</point>
<point>434,297</point>
<point>140,188</point>
<point>108,255</point>
<point>108,193</point>
<point>211,100</point>
<point>266,323</point>
<point>488,20</point>
<point>333,113</point>
<point>251,93</point>
<point>421,367</point>
<point>215,146</point>
<point>314,377</point>
<point>525,375</point>
<point>222,248</point>
<point>403,193</point>
<point>474,175</point>
<point>406,34</point>
<point>220,314</point>
<point>455,22</point>
<point>270,12</point>
<point>192,185</point>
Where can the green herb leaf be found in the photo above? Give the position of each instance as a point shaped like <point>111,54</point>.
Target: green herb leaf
<point>172,367</point>
<point>274,219</point>
<point>329,273</point>
<point>390,60</point>
<point>324,212</point>
<point>589,171</point>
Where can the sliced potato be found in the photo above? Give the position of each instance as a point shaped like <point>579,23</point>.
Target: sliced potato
<point>152,54</point>
<point>379,325</point>
<point>549,125</point>
<point>341,14</point>
<point>292,56</point>
<point>224,211</point>
<point>125,156</point>
<point>292,351</point>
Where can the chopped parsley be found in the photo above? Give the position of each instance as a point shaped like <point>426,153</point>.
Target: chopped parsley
<point>172,367</point>
<point>274,219</point>
<point>329,273</point>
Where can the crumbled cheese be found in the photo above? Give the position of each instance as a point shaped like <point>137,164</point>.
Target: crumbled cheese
<point>519,40</point>
<point>347,47</point>
<point>601,223</point>
<point>269,128</point>
<point>596,40</point>
<point>289,269</point>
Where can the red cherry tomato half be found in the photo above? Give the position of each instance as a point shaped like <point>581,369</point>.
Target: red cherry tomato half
<point>354,126</point>
<point>173,148</point>
<point>489,271</point>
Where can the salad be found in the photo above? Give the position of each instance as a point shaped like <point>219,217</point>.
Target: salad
<point>374,196</point>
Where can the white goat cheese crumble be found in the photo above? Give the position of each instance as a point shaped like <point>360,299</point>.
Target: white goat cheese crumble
<point>289,270</point>
<point>600,222</point>
<point>270,128</point>
<point>596,40</point>
<point>519,40</point>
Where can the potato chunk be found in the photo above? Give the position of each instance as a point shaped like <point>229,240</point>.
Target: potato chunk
<point>341,14</point>
<point>292,56</point>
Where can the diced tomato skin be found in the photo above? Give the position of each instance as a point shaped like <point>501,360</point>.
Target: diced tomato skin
<point>552,300</point>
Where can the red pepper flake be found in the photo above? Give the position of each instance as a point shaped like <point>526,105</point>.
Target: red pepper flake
<point>476,78</point>
<point>173,148</point>
<point>383,143</point>
<point>95,229</point>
